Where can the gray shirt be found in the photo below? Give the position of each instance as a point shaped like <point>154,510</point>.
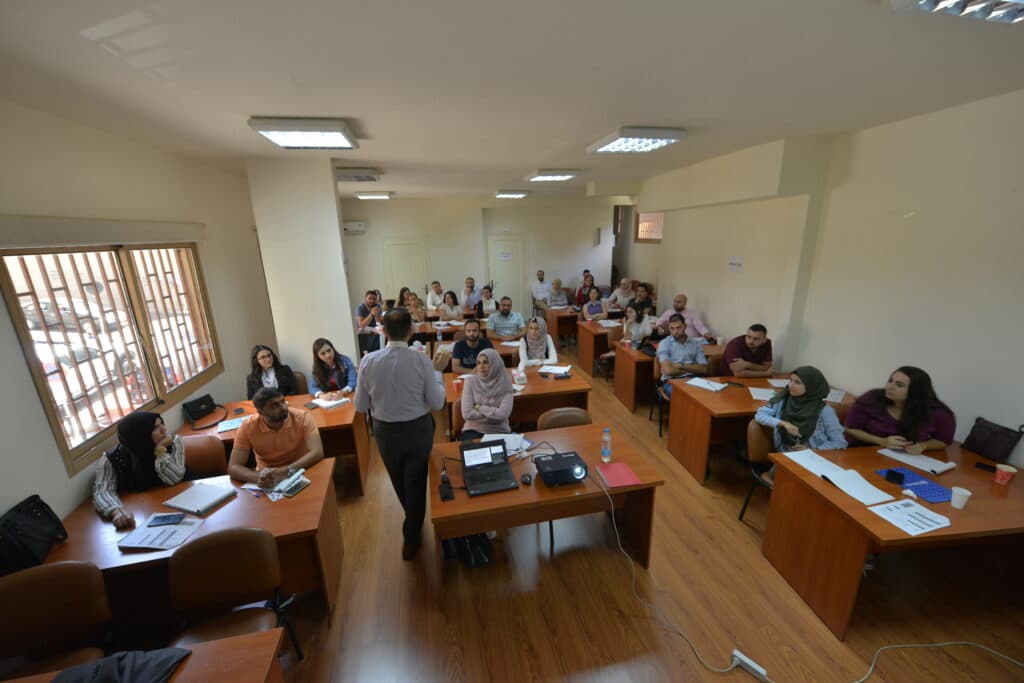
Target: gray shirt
<point>398,384</point>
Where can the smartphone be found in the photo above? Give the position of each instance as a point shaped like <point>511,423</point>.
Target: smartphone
<point>166,519</point>
<point>239,411</point>
<point>985,466</point>
<point>311,406</point>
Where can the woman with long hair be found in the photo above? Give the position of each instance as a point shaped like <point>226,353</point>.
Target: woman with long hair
<point>636,326</point>
<point>799,416</point>
<point>487,398</point>
<point>450,310</point>
<point>583,293</point>
<point>906,414</point>
<point>268,371</point>
<point>536,346</point>
<point>400,302</point>
<point>146,456</point>
<point>595,309</point>
<point>487,304</point>
<point>333,374</point>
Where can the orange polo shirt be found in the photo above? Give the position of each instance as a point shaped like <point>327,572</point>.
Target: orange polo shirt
<point>276,448</point>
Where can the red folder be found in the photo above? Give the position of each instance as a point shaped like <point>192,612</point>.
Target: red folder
<point>617,474</point>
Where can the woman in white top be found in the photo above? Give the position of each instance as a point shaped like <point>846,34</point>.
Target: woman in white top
<point>623,295</point>
<point>487,303</point>
<point>450,310</point>
<point>536,346</point>
<point>558,297</point>
<point>635,329</point>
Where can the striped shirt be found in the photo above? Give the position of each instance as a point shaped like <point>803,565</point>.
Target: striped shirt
<point>169,467</point>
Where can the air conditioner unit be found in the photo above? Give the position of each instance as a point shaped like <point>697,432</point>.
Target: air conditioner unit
<point>353,227</point>
<point>343,174</point>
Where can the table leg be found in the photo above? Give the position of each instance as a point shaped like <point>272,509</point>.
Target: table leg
<point>361,436</point>
<point>636,524</point>
<point>689,434</point>
<point>818,550</point>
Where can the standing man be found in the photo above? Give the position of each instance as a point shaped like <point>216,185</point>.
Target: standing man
<point>283,440</point>
<point>505,324</point>
<point>401,388</point>
<point>541,293</point>
<point>678,355</point>
<point>435,298</point>
<point>369,317</point>
<point>695,326</point>
<point>466,350</point>
<point>748,355</point>
<point>470,295</point>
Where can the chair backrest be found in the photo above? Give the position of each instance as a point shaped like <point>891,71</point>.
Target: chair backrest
<point>224,569</point>
<point>52,607</point>
<point>714,366</point>
<point>205,455</point>
<point>460,334</point>
<point>300,381</point>
<point>843,407</point>
<point>563,417</point>
<point>759,442</point>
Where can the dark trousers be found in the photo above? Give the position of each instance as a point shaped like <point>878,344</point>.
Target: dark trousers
<point>405,449</point>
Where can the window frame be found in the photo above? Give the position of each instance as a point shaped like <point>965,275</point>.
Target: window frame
<point>636,228</point>
<point>79,457</point>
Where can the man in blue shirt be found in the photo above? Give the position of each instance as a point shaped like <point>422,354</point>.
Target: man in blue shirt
<point>470,295</point>
<point>505,324</point>
<point>678,355</point>
<point>466,350</point>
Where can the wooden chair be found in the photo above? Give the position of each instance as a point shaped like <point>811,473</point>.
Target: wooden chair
<point>212,575</point>
<point>56,615</point>
<point>300,380</point>
<point>205,456</point>
<point>563,417</point>
<point>714,366</point>
<point>607,361</point>
<point>759,444</point>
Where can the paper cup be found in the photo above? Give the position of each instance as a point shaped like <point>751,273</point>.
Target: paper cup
<point>1004,473</point>
<point>457,385</point>
<point>960,496</point>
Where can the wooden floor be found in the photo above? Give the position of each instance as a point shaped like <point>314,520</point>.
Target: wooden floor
<point>532,617</point>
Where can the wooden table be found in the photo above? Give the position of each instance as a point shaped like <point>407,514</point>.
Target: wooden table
<point>817,536</point>
<point>251,657</point>
<point>594,339</point>
<point>540,395</point>
<point>633,375</point>
<point>306,527</point>
<point>539,503</point>
<point>342,430</point>
<point>562,322</point>
<point>699,418</point>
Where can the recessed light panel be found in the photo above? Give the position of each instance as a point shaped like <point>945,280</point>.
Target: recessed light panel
<point>510,194</point>
<point>373,195</point>
<point>552,175</point>
<point>299,133</point>
<point>636,139</point>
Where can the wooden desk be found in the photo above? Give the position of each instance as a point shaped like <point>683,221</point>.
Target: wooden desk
<point>306,527</point>
<point>540,395</point>
<point>251,657</point>
<point>817,536</point>
<point>342,430</point>
<point>594,339</point>
<point>699,418</point>
<point>633,375</point>
<point>539,503</point>
<point>562,322</point>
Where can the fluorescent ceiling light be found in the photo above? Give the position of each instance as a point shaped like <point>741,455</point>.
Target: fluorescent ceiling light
<point>299,133</point>
<point>975,6</point>
<point>510,194</point>
<point>636,139</point>
<point>373,195</point>
<point>995,11</point>
<point>944,4</point>
<point>551,175</point>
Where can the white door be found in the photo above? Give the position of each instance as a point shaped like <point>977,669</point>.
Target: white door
<point>506,266</point>
<point>405,265</point>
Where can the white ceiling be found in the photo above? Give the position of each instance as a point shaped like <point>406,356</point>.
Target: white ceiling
<point>461,97</point>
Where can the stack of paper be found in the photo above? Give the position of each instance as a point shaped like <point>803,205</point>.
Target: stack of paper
<point>609,323</point>
<point>457,323</point>
<point>706,384</point>
<point>514,443</point>
<point>324,403</point>
<point>910,517</point>
<point>558,308</point>
<point>779,383</point>
<point>510,343</point>
<point>160,537</point>
<point>849,482</point>
<point>555,369</point>
<point>921,462</point>
<point>759,394</point>
<point>229,425</point>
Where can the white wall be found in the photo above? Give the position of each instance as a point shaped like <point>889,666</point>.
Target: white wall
<point>51,167</point>
<point>920,259</point>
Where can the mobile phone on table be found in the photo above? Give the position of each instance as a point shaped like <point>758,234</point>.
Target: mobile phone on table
<point>311,406</point>
<point>985,466</point>
<point>166,519</point>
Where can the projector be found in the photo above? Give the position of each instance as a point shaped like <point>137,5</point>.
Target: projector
<point>561,468</point>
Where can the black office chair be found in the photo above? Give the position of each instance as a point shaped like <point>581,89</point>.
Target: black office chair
<point>661,398</point>
<point>759,445</point>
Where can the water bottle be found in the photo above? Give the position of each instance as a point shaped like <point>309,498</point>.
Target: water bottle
<point>606,445</point>
<point>439,338</point>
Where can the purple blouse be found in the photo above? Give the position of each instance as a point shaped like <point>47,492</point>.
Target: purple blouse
<point>594,307</point>
<point>867,415</point>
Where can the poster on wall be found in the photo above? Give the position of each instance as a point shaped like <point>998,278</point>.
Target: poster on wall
<point>735,264</point>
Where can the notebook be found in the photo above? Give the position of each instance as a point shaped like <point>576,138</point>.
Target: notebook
<point>229,425</point>
<point>615,474</point>
<point>200,498</point>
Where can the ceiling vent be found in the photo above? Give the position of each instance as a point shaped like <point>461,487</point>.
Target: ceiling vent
<point>356,175</point>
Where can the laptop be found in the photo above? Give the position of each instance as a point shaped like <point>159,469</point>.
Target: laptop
<point>485,468</point>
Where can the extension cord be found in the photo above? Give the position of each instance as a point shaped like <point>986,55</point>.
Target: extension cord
<point>749,665</point>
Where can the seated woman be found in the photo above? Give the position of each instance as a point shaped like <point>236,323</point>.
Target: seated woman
<point>267,371</point>
<point>450,309</point>
<point>638,329</point>
<point>333,374</point>
<point>799,416</point>
<point>558,297</point>
<point>621,297</point>
<point>414,305</point>
<point>536,346</point>
<point>145,456</point>
<point>487,304</point>
<point>583,293</point>
<point>595,309</point>
<point>906,414</point>
<point>487,398</point>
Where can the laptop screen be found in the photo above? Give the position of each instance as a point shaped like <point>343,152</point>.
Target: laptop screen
<point>475,454</point>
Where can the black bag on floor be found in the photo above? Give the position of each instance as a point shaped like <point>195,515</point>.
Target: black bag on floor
<point>474,551</point>
<point>27,534</point>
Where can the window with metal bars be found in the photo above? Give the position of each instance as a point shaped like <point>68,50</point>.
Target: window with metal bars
<point>649,227</point>
<point>107,331</point>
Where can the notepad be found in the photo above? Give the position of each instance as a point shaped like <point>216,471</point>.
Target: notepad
<point>706,384</point>
<point>921,462</point>
<point>200,498</point>
<point>513,344</point>
<point>779,383</point>
<point>615,474</point>
<point>609,323</point>
<point>324,403</point>
<point>160,537</point>
<point>229,425</point>
<point>759,394</point>
<point>555,369</point>
<point>923,488</point>
<point>849,482</point>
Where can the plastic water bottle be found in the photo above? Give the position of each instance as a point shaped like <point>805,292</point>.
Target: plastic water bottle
<point>439,338</point>
<point>606,445</point>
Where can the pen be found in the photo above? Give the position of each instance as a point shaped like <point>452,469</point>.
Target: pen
<point>257,494</point>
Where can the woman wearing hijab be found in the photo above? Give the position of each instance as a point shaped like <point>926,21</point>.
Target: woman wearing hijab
<point>487,398</point>
<point>536,346</point>
<point>799,416</point>
<point>145,456</point>
<point>621,297</point>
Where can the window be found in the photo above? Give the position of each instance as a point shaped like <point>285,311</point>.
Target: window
<point>649,227</point>
<point>107,331</point>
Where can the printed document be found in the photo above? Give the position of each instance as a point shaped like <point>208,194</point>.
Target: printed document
<point>759,394</point>
<point>706,384</point>
<point>910,517</point>
<point>160,537</point>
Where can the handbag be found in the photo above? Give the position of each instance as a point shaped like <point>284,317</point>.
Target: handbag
<point>27,534</point>
<point>992,441</point>
<point>199,408</point>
